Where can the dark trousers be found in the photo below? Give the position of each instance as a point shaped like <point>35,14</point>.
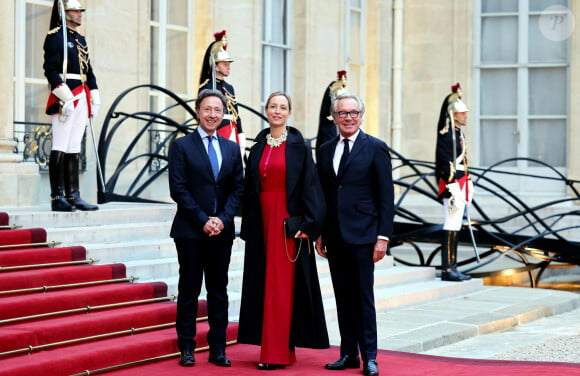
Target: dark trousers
<point>352,271</point>
<point>199,258</point>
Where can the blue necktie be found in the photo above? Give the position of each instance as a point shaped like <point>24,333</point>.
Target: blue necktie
<point>212,157</point>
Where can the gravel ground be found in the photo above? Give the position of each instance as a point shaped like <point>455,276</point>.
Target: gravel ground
<point>560,349</point>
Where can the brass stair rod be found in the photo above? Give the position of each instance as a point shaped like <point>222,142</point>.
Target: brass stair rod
<point>10,227</point>
<point>78,284</point>
<point>142,361</point>
<point>33,266</point>
<point>30,349</point>
<point>87,309</point>
<point>47,244</point>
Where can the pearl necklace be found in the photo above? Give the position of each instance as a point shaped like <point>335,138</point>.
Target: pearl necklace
<point>275,142</point>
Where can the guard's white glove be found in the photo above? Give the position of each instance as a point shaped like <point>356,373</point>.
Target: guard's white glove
<point>63,93</point>
<point>95,103</point>
<point>242,138</point>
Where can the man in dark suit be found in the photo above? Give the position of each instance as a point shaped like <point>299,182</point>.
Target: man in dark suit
<point>357,181</point>
<point>205,180</point>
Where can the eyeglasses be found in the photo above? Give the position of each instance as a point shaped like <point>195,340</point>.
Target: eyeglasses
<point>352,114</point>
<point>217,111</point>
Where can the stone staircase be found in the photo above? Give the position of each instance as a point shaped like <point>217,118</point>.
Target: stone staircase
<point>137,235</point>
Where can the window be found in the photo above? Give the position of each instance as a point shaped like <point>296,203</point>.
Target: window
<point>522,70</point>
<point>355,44</point>
<point>171,46</point>
<point>276,46</point>
<point>31,88</point>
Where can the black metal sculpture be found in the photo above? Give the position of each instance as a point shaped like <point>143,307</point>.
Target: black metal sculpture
<point>535,237</point>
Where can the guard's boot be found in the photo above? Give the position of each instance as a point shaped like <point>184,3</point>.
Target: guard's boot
<point>55,173</point>
<point>71,183</point>
<point>449,270</point>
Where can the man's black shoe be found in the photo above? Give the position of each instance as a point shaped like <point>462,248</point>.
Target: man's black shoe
<point>345,361</point>
<point>219,359</point>
<point>371,368</point>
<point>186,359</point>
<point>269,366</point>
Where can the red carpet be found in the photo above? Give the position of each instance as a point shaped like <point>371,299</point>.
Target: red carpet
<point>391,363</point>
<point>139,325</point>
<point>35,278</point>
<point>38,256</point>
<point>4,219</point>
<point>62,319</point>
<point>22,236</point>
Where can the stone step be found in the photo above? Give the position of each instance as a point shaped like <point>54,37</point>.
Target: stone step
<point>108,253</point>
<point>109,233</point>
<point>110,213</point>
<point>389,297</point>
<point>444,326</point>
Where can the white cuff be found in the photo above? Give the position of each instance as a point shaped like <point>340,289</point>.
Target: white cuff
<point>63,93</point>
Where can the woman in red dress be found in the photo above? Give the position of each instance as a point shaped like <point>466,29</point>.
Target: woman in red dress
<point>281,300</point>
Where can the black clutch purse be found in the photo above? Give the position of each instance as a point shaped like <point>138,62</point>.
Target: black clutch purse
<point>292,225</point>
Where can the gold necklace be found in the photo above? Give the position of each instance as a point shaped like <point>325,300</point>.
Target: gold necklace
<point>275,142</point>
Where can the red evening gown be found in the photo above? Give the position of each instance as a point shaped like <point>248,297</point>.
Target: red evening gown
<point>279,286</point>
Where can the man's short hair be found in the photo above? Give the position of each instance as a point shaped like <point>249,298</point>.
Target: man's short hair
<point>209,93</point>
<point>361,105</point>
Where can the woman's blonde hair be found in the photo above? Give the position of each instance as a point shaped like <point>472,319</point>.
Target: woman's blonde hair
<point>280,94</point>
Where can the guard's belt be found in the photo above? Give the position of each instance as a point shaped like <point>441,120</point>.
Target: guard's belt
<point>75,76</point>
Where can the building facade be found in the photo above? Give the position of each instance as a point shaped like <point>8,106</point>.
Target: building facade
<point>516,61</point>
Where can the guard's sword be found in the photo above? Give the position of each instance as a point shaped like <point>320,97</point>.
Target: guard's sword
<point>64,50</point>
<point>471,232</point>
<point>99,170</point>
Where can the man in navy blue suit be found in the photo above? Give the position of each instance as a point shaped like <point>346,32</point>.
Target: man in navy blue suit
<point>205,180</point>
<point>356,176</point>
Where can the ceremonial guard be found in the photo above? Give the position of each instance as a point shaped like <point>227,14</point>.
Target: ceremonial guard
<point>455,186</point>
<point>73,100</point>
<point>215,68</point>
<point>326,127</point>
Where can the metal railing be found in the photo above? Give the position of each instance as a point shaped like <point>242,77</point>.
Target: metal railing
<point>35,143</point>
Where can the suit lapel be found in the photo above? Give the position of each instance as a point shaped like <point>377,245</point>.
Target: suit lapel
<point>328,163</point>
<point>357,147</point>
<point>225,154</point>
<point>198,144</point>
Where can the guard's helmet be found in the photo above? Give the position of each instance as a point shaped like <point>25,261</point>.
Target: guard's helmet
<point>215,52</point>
<point>458,106</point>
<point>221,55</point>
<point>218,48</point>
<point>56,11</point>
<point>73,5</point>
<point>451,104</point>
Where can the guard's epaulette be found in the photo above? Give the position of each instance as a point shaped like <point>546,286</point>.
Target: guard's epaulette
<point>56,29</point>
<point>203,84</point>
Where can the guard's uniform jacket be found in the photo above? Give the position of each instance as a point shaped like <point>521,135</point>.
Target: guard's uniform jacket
<point>231,125</point>
<point>80,74</point>
<point>446,169</point>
